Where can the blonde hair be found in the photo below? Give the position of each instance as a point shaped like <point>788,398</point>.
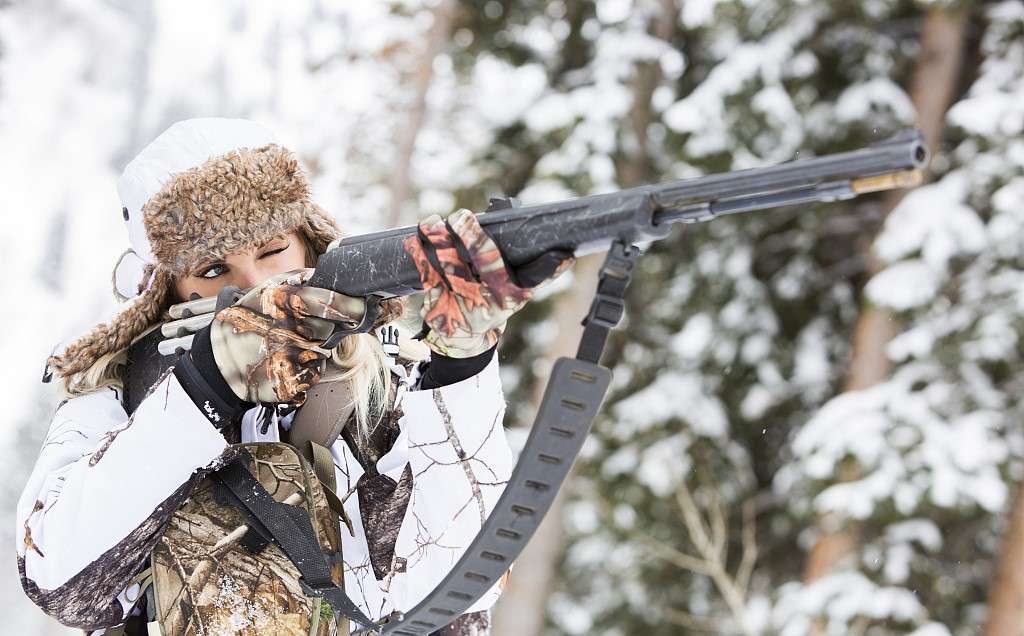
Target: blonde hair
<point>359,359</point>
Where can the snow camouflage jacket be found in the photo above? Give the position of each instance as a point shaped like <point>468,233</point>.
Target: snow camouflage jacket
<point>105,485</point>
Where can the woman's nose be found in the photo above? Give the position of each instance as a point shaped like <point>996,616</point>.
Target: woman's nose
<point>249,277</point>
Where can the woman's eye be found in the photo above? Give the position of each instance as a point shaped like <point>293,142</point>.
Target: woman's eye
<point>213,272</point>
<point>277,251</point>
<point>216,270</point>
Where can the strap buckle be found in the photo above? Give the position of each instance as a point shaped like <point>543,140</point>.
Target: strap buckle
<point>605,310</point>
<point>377,629</point>
<point>608,305</point>
<point>619,261</point>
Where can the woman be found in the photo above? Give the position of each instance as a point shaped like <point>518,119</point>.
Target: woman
<point>215,202</point>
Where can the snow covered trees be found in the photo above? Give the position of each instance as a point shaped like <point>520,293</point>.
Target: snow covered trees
<point>758,467</point>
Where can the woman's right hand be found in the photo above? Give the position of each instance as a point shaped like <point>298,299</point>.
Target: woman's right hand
<point>267,345</point>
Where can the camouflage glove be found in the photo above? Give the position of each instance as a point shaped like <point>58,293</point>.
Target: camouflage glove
<point>469,292</point>
<point>267,345</point>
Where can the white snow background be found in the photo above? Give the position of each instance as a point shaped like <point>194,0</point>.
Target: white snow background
<point>84,84</point>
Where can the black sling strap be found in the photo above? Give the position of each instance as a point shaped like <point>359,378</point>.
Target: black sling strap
<point>574,393</point>
<point>291,530</point>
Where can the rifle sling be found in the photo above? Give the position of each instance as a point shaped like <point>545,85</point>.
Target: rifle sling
<point>574,393</point>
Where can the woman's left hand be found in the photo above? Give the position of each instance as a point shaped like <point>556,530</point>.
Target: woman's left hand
<point>469,292</point>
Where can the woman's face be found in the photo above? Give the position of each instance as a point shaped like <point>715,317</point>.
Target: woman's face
<point>244,269</point>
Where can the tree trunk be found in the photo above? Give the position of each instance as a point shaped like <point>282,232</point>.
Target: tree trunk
<point>935,81</point>
<point>1006,597</point>
<point>521,610</point>
<point>522,607</point>
<point>405,141</point>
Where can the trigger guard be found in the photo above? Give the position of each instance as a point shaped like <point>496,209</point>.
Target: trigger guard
<point>372,311</point>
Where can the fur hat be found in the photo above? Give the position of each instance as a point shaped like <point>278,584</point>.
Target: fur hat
<point>203,189</point>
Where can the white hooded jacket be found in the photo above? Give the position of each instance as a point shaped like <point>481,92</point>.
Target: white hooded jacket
<point>105,484</point>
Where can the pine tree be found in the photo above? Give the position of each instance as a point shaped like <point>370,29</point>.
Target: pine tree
<point>938,445</point>
<point>745,325</point>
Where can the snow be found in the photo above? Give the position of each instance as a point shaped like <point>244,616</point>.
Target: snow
<point>505,91</point>
<point>1007,224</point>
<point>664,465</point>
<point>671,395</point>
<point>923,531</point>
<point>777,106</point>
<point>915,342</point>
<point>842,597</point>
<point>697,13</point>
<point>905,285</point>
<point>900,437</point>
<point>757,401</point>
<point>931,629</point>
<point>551,112</point>
<point>695,336</point>
<point>756,348</point>
<point>620,462</point>
<point>933,221</point>
<point>811,360</point>
<point>611,11</point>
<point>701,113</point>
<point>858,102</point>
<point>898,553</point>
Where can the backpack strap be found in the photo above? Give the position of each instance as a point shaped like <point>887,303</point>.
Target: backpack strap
<point>292,530</point>
<point>323,466</point>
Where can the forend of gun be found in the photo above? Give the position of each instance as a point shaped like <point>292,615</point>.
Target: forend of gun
<point>377,265</point>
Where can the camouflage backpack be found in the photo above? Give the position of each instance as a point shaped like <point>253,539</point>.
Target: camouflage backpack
<point>214,573</point>
<point>217,569</point>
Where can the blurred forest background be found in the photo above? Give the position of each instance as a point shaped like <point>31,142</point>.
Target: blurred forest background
<point>816,420</point>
